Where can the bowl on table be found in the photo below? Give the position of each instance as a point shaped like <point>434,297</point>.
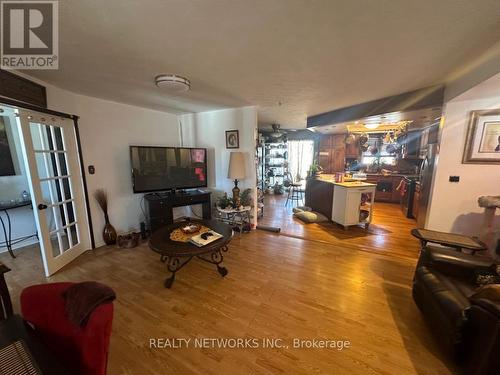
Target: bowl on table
<point>190,228</point>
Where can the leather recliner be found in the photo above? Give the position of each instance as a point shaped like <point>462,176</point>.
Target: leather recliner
<point>465,319</point>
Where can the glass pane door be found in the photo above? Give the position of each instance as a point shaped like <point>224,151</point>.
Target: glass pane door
<point>56,184</point>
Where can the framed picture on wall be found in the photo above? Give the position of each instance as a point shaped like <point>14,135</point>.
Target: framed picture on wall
<point>232,139</point>
<point>482,145</point>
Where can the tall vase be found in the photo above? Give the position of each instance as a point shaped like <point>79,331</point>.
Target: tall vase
<point>109,232</point>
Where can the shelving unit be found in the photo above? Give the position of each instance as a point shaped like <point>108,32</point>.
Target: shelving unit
<point>261,180</point>
<point>275,164</point>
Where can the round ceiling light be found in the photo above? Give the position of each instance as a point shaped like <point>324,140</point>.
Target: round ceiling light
<point>173,83</point>
<point>372,126</point>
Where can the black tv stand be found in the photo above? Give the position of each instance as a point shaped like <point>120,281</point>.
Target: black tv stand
<point>159,206</point>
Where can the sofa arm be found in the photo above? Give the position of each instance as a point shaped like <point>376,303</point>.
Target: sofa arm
<point>488,297</point>
<point>455,263</point>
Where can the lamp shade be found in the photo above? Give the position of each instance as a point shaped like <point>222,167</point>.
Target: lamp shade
<point>237,170</point>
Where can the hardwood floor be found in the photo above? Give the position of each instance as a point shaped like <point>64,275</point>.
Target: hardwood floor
<point>389,233</point>
<point>278,287</point>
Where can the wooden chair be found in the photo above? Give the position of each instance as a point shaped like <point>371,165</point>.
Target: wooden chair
<point>5,301</point>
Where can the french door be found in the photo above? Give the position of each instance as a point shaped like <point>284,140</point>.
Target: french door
<point>55,180</point>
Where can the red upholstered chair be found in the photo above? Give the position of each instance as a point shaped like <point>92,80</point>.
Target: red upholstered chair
<point>82,350</point>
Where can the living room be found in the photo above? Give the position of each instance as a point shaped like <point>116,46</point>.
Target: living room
<point>214,272</point>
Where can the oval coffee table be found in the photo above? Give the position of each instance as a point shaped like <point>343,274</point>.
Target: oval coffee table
<point>178,254</point>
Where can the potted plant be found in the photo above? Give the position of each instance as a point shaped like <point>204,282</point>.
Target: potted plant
<point>314,170</point>
<point>246,197</point>
<point>224,201</point>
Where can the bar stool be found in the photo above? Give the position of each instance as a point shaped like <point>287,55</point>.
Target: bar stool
<point>295,191</point>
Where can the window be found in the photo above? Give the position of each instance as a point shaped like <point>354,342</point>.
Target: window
<point>300,158</point>
<point>382,156</point>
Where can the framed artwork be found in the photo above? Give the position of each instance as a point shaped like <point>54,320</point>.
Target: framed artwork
<point>232,139</point>
<point>482,145</point>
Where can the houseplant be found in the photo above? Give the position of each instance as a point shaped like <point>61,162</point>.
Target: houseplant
<point>109,232</point>
<point>314,170</point>
<point>224,202</point>
<point>246,197</point>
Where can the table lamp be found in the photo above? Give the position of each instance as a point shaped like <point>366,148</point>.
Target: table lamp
<point>236,171</point>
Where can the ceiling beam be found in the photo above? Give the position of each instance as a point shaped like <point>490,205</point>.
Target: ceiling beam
<point>427,97</point>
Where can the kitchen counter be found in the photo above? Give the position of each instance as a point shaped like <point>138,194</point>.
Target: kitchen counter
<point>319,192</point>
<point>350,184</point>
<point>330,178</point>
<point>393,175</point>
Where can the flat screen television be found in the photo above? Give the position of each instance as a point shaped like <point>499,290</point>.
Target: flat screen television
<point>166,168</point>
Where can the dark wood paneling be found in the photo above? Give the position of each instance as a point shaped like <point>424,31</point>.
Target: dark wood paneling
<point>22,89</point>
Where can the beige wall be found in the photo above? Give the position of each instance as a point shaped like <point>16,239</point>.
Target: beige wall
<point>454,205</point>
<point>107,129</point>
<point>207,129</point>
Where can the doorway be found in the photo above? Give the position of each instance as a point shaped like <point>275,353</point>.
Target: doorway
<point>285,165</point>
<point>44,149</point>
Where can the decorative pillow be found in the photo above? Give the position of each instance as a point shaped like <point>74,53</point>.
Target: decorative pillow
<point>301,209</point>
<point>311,217</point>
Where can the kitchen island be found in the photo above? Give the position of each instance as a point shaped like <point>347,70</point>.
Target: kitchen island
<point>346,203</point>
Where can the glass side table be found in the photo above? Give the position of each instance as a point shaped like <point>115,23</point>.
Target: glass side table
<point>238,218</point>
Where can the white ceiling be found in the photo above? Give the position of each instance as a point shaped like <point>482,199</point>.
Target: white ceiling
<point>311,56</point>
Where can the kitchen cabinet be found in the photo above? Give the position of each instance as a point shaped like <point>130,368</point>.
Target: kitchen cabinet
<point>396,196</point>
<point>338,160</point>
<point>324,155</point>
<point>352,150</point>
<point>434,134</point>
<point>386,188</point>
<point>332,153</point>
<point>411,142</point>
<point>416,200</point>
<point>428,136</point>
<point>414,143</point>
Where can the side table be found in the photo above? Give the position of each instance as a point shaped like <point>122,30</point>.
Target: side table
<point>7,231</point>
<point>236,217</point>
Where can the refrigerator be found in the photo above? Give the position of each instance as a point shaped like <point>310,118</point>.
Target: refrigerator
<point>426,175</point>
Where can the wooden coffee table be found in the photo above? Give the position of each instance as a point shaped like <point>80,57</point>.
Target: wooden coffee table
<point>177,254</point>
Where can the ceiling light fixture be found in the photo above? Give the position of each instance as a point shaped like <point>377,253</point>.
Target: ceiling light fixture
<point>372,126</point>
<point>173,83</point>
